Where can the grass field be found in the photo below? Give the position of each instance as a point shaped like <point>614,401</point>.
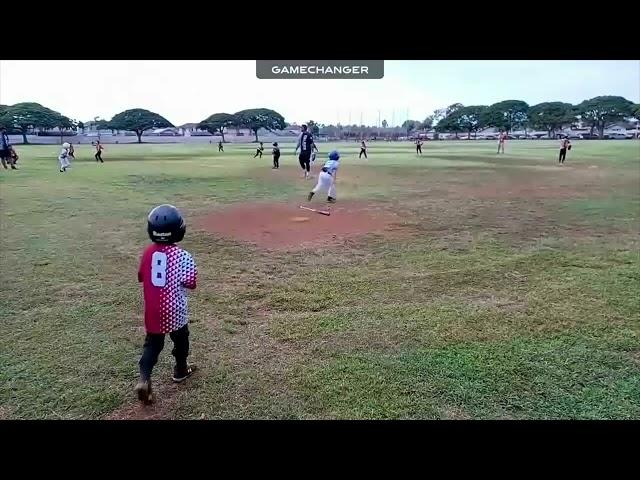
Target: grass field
<point>511,290</point>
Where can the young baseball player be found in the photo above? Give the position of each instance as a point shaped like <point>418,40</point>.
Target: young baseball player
<point>98,154</point>
<point>502,138</point>
<point>166,271</point>
<point>259,151</point>
<point>418,147</point>
<point>276,155</point>
<point>327,177</point>
<point>63,158</point>
<point>363,150</point>
<point>5,149</point>
<point>220,147</point>
<point>565,144</point>
<point>14,157</point>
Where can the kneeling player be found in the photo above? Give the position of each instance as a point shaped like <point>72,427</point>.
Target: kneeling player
<point>327,177</point>
<point>166,271</point>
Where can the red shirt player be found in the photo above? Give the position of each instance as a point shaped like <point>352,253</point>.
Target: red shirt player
<point>166,272</point>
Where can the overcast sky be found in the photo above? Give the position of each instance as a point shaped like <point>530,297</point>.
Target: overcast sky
<point>189,91</point>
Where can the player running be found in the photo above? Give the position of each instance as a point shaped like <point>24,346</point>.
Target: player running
<point>5,150</point>
<point>305,142</point>
<point>565,144</point>
<point>63,157</point>
<point>276,155</point>
<point>259,151</point>
<point>99,149</point>
<point>166,272</point>
<point>220,147</point>
<point>363,150</point>
<point>327,178</point>
<point>72,152</point>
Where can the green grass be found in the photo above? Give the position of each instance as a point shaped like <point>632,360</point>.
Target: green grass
<point>512,293</point>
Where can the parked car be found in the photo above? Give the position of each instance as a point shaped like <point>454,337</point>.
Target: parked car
<point>588,136</point>
<point>615,136</point>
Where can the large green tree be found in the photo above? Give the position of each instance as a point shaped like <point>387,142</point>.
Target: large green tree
<point>469,119</point>
<point>28,115</point>
<point>506,115</point>
<point>313,127</point>
<point>600,111</point>
<point>551,116</point>
<point>138,120</point>
<point>411,125</point>
<point>450,124</point>
<point>256,118</point>
<point>218,122</point>
<point>428,122</point>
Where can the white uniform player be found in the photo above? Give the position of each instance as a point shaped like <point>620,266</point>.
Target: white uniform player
<point>63,158</point>
<point>327,177</point>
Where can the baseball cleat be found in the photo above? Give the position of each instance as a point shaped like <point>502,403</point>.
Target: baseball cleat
<point>143,390</point>
<point>181,376</point>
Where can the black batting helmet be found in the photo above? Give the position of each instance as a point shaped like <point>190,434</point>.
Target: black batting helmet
<point>166,225</point>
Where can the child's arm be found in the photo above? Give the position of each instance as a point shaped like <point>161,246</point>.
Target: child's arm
<point>190,272</point>
<point>140,279</point>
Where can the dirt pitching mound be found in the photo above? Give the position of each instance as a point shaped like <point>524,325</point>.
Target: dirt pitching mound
<point>277,226</point>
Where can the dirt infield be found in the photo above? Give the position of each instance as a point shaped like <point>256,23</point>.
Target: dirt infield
<point>276,226</point>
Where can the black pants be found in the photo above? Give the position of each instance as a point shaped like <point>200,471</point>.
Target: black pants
<point>305,161</point>
<point>153,345</point>
<point>220,149</point>
<point>363,151</point>
<point>563,155</point>
<point>419,149</point>
<point>258,152</point>
<point>99,156</point>
<point>276,161</point>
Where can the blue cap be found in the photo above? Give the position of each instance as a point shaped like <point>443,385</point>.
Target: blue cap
<point>334,155</point>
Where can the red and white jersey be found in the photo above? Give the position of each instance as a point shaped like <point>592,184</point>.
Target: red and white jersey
<point>166,271</point>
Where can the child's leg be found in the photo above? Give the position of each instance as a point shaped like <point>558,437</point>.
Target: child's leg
<point>153,345</point>
<point>180,350</point>
<point>332,189</point>
<point>324,182</point>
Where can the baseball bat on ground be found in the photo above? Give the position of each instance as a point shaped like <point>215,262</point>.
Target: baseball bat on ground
<point>321,212</point>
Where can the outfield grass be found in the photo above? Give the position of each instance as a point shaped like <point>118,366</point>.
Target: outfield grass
<point>513,292</point>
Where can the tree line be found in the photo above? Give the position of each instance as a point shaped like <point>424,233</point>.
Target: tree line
<point>24,117</point>
<point>507,115</point>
